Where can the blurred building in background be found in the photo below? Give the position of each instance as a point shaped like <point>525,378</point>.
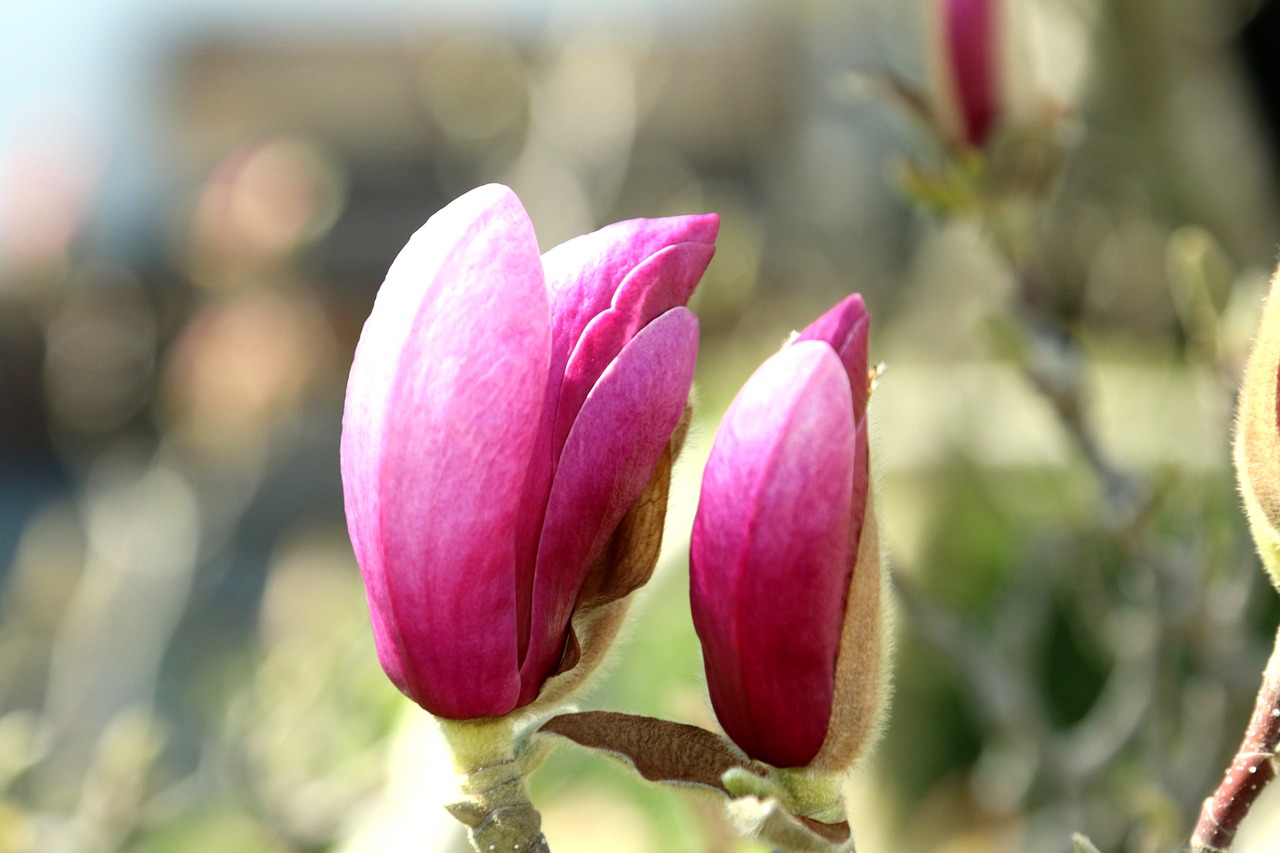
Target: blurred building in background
<point>199,199</point>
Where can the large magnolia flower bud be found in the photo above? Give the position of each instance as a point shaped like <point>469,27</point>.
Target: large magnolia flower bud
<point>509,427</point>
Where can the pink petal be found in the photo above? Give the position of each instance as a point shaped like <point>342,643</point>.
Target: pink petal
<point>584,275</point>
<point>447,377</point>
<point>609,457</point>
<point>770,559</point>
<point>662,282</point>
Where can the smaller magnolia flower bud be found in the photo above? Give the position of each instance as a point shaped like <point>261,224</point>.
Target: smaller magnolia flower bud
<point>1257,444</point>
<point>787,586</point>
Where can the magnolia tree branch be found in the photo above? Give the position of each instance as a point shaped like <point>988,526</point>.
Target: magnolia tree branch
<point>1253,768</point>
<point>498,813</point>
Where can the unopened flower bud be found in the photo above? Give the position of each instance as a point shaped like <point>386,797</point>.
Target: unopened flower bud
<point>1257,443</point>
<point>509,429</point>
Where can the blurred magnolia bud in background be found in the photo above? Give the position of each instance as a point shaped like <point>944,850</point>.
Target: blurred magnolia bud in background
<point>1000,77</point>
<point>969,71</point>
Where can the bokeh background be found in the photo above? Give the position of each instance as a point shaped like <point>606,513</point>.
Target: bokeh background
<point>198,200</point>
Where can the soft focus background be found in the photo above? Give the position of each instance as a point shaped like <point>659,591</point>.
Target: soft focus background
<point>198,200</point>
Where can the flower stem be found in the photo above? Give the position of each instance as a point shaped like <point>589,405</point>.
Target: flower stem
<point>1253,768</point>
<point>815,796</point>
<point>495,807</point>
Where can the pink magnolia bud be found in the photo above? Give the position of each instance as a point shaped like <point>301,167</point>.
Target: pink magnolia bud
<point>785,563</point>
<point>968,66</point>
<point>505,415</point>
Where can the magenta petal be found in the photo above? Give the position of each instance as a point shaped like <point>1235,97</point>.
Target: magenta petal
<point>770,560</point>
<point>448,374</point>
<point>662,282</point>
<point>617,440</point>
<point>846,327</point>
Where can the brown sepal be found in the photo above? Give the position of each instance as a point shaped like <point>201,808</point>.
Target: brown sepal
<point>836,833</point>
<point>768,822</point>
<point>862,668</point>
<point>659,750</point>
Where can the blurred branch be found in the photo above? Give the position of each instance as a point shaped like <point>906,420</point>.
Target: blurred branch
<point>1057,367</point>
<point>1081,752</point>
<point>1002,694</point>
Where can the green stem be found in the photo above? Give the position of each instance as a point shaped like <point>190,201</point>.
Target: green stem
<point>819,797</point>
<point>495,807</point>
